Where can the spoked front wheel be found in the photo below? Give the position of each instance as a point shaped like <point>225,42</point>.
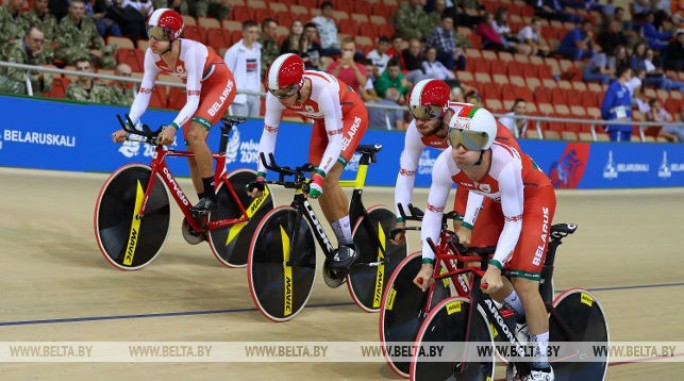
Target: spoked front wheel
<point>281,264</point>
<point>447,323</point>
<point>230,244</point>
<point>578,317</point>
<point>379,257</point>
<point>127,240</point>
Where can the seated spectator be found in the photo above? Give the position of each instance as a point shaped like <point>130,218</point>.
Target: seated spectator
<point>516,126</point>
<point>612,36</point>
<point>608,8</point>
<point>411,21</point>
<point>327,29</point>
<point>367,92</point>
<point>641,7</point>
<point>442,38</point>
<point>598,68</point>
<point>457,93</point>
<point>352,73</point>
<point>413,62</point>
<point>41,17</point>
<point>123,91</point>
<point>529,35</point>
<point>674,133</point>
<point>291,42</point>
<point>510,40</point>
<point>30,50</point>
<point>269,43</point>
<point>617,106</point>
<point>475,98</point>
<point>435,15</point>
<point>435,69</point>
<point>553,10</point>
<point>379,56</point>
<point>656,39</point>
<point>309,48</point>
<point>657,112</point>
<point>395,50</point>
<point>491,39</point>
<point>643,58</point>
<point>392,77</point>
<point>10,25</point>
<point>77,38</point>
<point>87,89</point>
<point>674,53</point>
<point>577,43</point>
<point>468,13</point>
<point>102,12</point>
<point>619,57</point>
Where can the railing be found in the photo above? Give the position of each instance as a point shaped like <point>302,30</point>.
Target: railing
<point>538,120</point>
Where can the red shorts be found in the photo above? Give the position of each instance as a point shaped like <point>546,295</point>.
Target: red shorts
<point>530,252</point>
<point>354,126</point>
<point>218,92</point>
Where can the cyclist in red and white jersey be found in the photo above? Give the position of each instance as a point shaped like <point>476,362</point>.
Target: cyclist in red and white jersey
<point>525,202</point>
<point>340,120</point>
<point>210,89</point>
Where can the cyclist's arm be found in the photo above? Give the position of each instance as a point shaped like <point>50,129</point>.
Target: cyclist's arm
<point>472,208</point>
<point>512,201</point>
<point>408,164</point>
<point>197,56</point>
<point>329,105</point>
<point>439,192</point>
<point>274,110</point>
<point>142,98</point>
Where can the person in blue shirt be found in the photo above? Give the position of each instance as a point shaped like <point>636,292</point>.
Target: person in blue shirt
<point>617,106</point>
<point>577,43</point>
<point>656,40</point>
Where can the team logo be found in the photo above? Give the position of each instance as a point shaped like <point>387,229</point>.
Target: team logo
<point>567,172</point>
<point>664,171</point>
<point>233,147</point>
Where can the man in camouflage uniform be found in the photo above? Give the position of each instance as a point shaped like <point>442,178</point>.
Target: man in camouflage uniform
<point>87,89</point>
<point>269,44</point>
<point>411,21</point>
<point>78,37</point>
<point>29,51</point>
<point>41,17</point>
<point>10,28</point>
<point>123,91</point>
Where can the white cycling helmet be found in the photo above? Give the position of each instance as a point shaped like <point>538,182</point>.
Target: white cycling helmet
<point>474,128</point>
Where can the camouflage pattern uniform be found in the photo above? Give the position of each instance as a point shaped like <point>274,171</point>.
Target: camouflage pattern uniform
<point>205,8</point>
<point>412,22</point>
<point>13,80</point>
<point>10,28</point>
<point>77,42</point>
<point>122,95</point>
<point>99,93</point>
<point>269,52</point>
<point>48,23</point>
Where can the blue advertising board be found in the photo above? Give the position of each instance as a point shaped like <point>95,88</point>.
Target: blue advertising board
<point>47,134</point>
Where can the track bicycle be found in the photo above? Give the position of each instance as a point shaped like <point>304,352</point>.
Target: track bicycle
<point>132,211</point>
<point>282,254</point>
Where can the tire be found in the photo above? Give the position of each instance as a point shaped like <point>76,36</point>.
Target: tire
<point>584,316</point>
<point>231,243</point>
<point>125,242</point>
<point>367,284</point>
<point>447,322</point>
<point>281,292</point>
<point>402,305</point>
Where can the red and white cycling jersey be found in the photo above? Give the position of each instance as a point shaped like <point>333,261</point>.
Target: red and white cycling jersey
<point>510,179</point>
<point>195,64</point>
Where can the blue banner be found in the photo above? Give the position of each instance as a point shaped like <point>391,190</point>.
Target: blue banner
<point>47,134</point>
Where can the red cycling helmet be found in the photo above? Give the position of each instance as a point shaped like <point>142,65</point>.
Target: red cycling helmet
<point>285,76</point>
<point>429,99</point>
<point>165,24</point>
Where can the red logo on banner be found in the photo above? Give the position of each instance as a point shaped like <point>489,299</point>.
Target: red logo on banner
<point>567,172</point>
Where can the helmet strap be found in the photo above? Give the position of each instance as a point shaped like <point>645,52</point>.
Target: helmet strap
<point>479,161</point>
<point>170,48</point>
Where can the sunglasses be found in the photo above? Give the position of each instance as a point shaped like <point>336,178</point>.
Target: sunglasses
<point>159,33</point>
<point>425,112</point>
<point>285,92</point>
<point>471,140</point>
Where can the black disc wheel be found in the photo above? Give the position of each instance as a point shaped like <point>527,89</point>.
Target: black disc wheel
<point>127,240</point>
<point>281,265</point>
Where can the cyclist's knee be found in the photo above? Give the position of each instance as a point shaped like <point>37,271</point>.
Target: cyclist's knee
<point>196,134</point>
<point>526,288</point>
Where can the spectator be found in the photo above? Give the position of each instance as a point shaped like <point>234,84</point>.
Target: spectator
<point>327,29</point>
<point>457,94</point>
<point>641,7</point>
<point>397,47</point>
<point>433,68</point>
<point>218,9</point>
<point>510,40</point>
<point>77,38</point>
<point>435,16</point>
<point>87,89</point>
<point>291,43</point>
<point>123,91</point>
<point>469,12</point>
<point>674,133</point>
<point>104,14</point>
<point>617,106</point>
<point>553,10</point>
<point>411,21</point>
<point>657,113</point>
<point>379,56</point>
<point>608,8</point>
<point>577,43</point>
<point>10,25</point>
<point>443,40</point>
<point>674,53</point>
<point>475,98</point>
<point>612,36</point>
<point>643,58</point>
<point>41,17</point>
<point>656,39</point>
<point>530,36</point>
<point>598,68</point>
<point>387,119</point>
<point>309,48</point>
<point>130,17</point>
<point>619,57</point>
<point>413,62</point>
<point>244,61</point>
<point>367,92</point>
<point>352,73</point>
<point>516,126</point>
<point>29,51</point>
<point>491,39</point>
<point>392,77</point>
<point>269,44</point>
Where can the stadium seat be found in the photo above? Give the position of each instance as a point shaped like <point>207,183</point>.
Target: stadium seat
<point>208,22</point>
<point>231,25</point>
<point>121,42</point>
<point>133,57</point>
<point>569,136</point>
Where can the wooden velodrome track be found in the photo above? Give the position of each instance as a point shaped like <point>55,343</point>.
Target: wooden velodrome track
<point>55,285</point>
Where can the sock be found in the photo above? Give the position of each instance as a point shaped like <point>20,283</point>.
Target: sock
<point>200,195</point>
<point>342,231</point>
<point>208,183</point>
<point>541,357</point>
<point>514,302</point>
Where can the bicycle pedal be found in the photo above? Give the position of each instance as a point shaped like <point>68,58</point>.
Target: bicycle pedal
<point>330,278</point>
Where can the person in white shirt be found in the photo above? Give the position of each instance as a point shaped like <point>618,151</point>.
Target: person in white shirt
<point>530,36</point>
<point>379,57</point>
<point>516,126</point>
<point>435,69</point>
<point>327,30</point>
<point>244,60</point>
